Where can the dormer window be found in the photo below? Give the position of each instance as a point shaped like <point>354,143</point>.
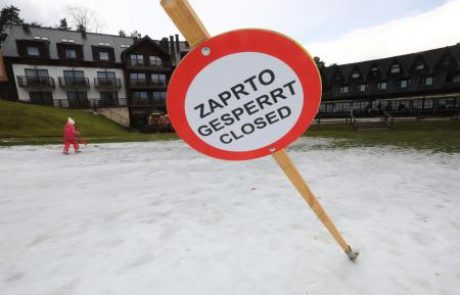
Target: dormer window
<point>103,53</point>
<point>70,53</point>
<point>104,56</point>
<point>420,66</point>
<point>395,69</point>
<point>32,48</point>
<point>374,69</point>
<point>33,51</point>
<point>355,75</point>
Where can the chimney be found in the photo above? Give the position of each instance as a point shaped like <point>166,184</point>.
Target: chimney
<point>178,57</point>
<point>173,51</point>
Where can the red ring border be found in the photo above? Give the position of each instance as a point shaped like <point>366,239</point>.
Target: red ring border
<point>244,40</point>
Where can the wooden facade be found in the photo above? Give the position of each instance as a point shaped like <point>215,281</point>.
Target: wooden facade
<point>422,82</point>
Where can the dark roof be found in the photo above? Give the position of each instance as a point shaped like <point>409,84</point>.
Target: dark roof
<point>431,58</point>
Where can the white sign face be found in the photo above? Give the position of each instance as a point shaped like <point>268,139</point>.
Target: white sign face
<point>244,101</point>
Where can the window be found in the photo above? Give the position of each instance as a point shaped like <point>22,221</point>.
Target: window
<point>155,61</point>
<point>140,95</point>
<point>33,51</point>
<point>70,53</point>
<point>374,71</point>
<point>44,98</point>
<point>344,89</point>
<point>36,73</point>
<point>159,96</point>
<point>159,79</point>
<point>37,77</point>
<point>109,94</point>
<point>362,87</point>
<point>419,66</point>
<point>355,75</point>
<point>428,81</point>
<point>106,78</point>
<point>104,56</point>
<point>404,83</point>
<point>395,69</point>
<point>74,78</point>
<point>74,75</point>
<point>77,95</point>
<point>106,75</point>
<point>136,59</point>
<point>382,85</point>
<point>77,99</point>
<point>137,78</point>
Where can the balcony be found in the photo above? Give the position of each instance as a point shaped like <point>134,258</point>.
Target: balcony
<point>134,101</point>
<point>74,83</point>
<point>36,82</point>
<point>144,83</point>
<point>94,103</point>
<point>107,83</point>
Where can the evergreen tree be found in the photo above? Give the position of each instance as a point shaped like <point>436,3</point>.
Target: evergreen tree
<point>63,24</point>
<point>319,63</point>
<point>9,16</point>
<point>121,33</point>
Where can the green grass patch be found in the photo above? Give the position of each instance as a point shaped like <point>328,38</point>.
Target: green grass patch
<point>22,123</point>
<point>438,136</point>
<point>31,124</point>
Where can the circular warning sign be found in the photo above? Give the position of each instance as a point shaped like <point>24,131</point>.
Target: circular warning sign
<point>244,94</point>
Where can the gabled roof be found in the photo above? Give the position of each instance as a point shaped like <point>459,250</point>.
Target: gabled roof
<point>406,61</point>
<point>54,36</point>
<point>146,40</point>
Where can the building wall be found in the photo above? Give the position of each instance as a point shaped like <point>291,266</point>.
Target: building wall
<point>58,71</point>
<point>3,75</point>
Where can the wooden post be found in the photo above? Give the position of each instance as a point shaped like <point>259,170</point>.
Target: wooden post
<point>186,20</point>
<point>294,176</point>
<point>188,23</point>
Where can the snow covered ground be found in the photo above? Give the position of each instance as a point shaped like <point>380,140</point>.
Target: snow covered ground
<point>158,218</point>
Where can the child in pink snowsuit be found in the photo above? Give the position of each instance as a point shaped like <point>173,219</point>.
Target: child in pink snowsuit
<point>70,136</point>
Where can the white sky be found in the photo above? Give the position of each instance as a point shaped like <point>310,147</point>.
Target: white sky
<point>338,31</point>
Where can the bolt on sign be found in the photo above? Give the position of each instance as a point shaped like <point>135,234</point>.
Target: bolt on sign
<point>245,94</point>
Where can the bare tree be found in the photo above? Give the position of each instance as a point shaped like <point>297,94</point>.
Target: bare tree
<point>83,17</point>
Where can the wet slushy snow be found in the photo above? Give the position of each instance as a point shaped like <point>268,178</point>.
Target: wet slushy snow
<point>159,218</point>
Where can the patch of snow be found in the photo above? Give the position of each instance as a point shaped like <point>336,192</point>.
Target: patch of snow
<point>159,218</point>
